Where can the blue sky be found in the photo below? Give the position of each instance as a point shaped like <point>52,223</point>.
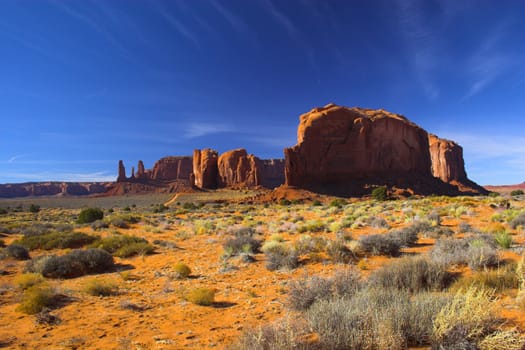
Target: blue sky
<point>86,83</point>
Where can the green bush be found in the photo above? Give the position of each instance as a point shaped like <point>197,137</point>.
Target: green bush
<point>89,215</point>
<point>56,240</point>
<point>124,246</point>
<point>516,193</point>
<point>503,239</point>
<point>380,193</point>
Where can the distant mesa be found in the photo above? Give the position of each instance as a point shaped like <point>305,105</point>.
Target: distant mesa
<point>339,151</point>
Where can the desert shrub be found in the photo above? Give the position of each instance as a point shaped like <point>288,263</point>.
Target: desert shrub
<point>124,246</point>
<point>182,270</point>
<point>73,264</point>
<point>99,225</point>
<point>56,240</point>
<point>339,252</point>
<point>516,193</point>
<point>17,252</point>
<point>312,226</point>
<point>63,228</point>
<point>44,317</point>
<point>338,203</point>
<point>119,222</point>
<point>494,227</point>
<point>36,298</point>
<point>464,227</point>
<point>36,229</point>
<point>34,208</point>
<point>406,236</point>
<point>503,239</point>
<point>89,215</point>
<point>378,222</point>
<point>380,193</point>
<point>434,218</point>
<point>413,274</point>
<point>279,255</point>
<point>283,335</point>
<point>374,319</point>
<point>304,292</point>
<point>347,283</point>
<point>476,252</point>
<point>27,280</point>
<point>308,244</point>
<point>518,221</point>
<point>498,280</point>
<point>201,296</point>
<point>466,320</point>
<point>380,244</point>
<point>3,211</point>
<point>98,287</point>
<point>242,244</point>
<point>284,202</point>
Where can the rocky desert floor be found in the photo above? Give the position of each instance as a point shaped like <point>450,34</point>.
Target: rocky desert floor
<point>248,257</point>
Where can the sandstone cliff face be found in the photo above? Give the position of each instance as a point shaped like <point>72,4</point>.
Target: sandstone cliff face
<point>336,144</point>
<point>172,168</point>
<point>238,168</point>
<point>447,159</point>
<point>121,172</point>
<point>349,149</point>
<point>205,168</point>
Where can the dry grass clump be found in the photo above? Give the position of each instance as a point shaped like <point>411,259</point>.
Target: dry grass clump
<point>27,280</point>
<point>98,287</point>
<point>413,274</point>
<point>499,280</point>
<point>36,298</point>
<point>468,320</point>
<point>201,296</point>
<point>182,271</point>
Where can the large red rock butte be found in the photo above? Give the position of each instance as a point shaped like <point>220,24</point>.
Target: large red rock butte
<point>166,169</point>
<point>346,151</point>
<point>205,169</point>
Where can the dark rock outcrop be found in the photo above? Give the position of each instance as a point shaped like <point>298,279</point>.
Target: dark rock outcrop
<point>121,172</point>
<point>31,189</point>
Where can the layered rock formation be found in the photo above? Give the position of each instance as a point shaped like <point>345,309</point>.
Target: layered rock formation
<point>53,189</point>
<point>235,169</point>
<point>345,150</point>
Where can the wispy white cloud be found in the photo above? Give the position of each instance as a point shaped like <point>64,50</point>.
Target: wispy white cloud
<point>488,63</point>
<point>16,157</point>
<point>234,20</point>
<point>422,42</point>
<point>199,129</point>
<point>179,26</point>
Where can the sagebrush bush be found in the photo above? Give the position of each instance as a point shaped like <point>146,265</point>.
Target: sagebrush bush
<point>283,335</point>
<point>36,229</point>
<point>56,240</point>
<point>242,244</point>
<point>516,193</point>
<point>339,252</point>
<point>182,270</point>
<point>413,274</point>
<point>304,292</point>
<point>73,264</point>
<point>99,225</point>
<point>17,252</point>
<point>518,221</point>
<point>36,298</point>
<point>88,215</point>
<point>279,255</point>
<point>380,244</point>
<point>477,252</point>
<point>201,296</point>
